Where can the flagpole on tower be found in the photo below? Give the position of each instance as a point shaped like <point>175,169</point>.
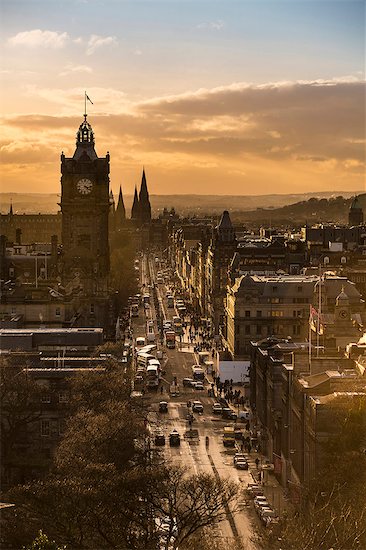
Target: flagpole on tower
<point>85,105</point>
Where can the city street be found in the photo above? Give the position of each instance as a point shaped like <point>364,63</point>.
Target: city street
<point>194,454</point>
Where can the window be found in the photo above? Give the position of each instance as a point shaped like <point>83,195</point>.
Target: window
<point>11,271</point>
<point>299,289</point>
<point>46,398</point>
<point>274,289</point>
<point>247,313</point>
<point>58,312</point>
<point>91,308</point>
<point>63,396</point>
<point>247,329</point>
<point>259,314</point>
<point>45,428</point>
<point>259,329</point>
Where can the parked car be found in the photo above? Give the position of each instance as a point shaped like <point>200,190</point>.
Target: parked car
<point>199,386</point>
<point>163,406</point>
<point>269,517</point>
<point>187,382</point>
<point>197,407</point>
<point>260,501</point>
<point>254,490</point>
<point>160,439</point>
<point>239,456</point>
<point>241,464</point>
<point>216,408</point>
<point>174,439</point>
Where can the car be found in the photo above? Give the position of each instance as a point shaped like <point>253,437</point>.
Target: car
<point>239,456</point>
<point>199,386</point>
<point>187,382</point>
<point>228,413</point>
<point>241,464</point>
<point>216,408</point>
<point>269,518</point>
<point>255,490</point>
<point>197,406</point>
<point>174,439</point>
<point>163,406</point>
<point>223,402</point>
<point>159,439</point>
<point>260,502</point>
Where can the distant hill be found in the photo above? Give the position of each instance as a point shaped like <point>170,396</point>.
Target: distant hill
<point>310,211</point>
<point>33,203</point>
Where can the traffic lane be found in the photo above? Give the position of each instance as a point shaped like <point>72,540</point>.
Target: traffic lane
<point>199,458</point>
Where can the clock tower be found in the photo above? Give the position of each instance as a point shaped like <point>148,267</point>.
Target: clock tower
<point>85,210</point>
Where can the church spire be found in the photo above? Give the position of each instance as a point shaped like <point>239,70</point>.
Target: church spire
<point>145,207</point>
<point>120,210</point>
<point>11,208</point>
<point>135,211</point>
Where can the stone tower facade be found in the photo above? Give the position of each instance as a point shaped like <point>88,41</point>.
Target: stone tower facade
<point>85,205</point>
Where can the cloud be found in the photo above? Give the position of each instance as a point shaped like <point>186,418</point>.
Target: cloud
<point>212,25</point>
<point>38,38</point>
<point>95,42</point>
<point>277,135</point>
<point>71,69</point>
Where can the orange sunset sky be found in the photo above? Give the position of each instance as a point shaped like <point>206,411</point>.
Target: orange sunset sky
<point>212,97</point>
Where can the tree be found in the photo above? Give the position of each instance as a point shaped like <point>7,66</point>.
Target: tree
<point>20,402</point>
<point>42,542</point>
<point>191,502</point>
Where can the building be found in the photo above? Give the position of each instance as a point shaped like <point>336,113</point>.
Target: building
<point>258,307</point>
<point>295,400</point>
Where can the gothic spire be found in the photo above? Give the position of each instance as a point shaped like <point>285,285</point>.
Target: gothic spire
<point>145,207</point>
<point>135,211</point>
<point>120,210</point>
<point>11,208</point>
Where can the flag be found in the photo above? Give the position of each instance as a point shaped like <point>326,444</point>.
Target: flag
<point>315,321</point>
<point>88,98</point>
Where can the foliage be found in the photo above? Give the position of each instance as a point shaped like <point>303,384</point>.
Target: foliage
<point>20,399</point>
<point>42,542</point>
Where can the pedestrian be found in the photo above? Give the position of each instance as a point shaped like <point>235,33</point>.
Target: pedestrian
<point>257,462</point>
<point>249,447</point>
<point>162,390</point>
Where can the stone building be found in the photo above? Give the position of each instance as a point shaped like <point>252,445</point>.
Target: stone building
<point>258,307</point>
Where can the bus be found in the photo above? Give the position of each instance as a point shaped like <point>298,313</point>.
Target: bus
<point>228,437</point>
<point>152,376</point>
<point>170,339</point>
<point>177,322</point>
<point>150,333</point>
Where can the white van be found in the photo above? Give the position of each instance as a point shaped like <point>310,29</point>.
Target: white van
<point>140,341</point>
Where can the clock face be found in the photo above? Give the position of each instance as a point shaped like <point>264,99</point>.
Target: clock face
<point>84,186</point>
<point>343,314</point>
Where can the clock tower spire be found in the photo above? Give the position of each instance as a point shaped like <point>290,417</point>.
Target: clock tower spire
<point>85,212</point>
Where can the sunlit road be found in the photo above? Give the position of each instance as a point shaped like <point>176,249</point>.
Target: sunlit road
<point>214,459</point>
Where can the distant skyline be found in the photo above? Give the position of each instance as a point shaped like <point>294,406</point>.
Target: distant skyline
<point>212,97</point>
